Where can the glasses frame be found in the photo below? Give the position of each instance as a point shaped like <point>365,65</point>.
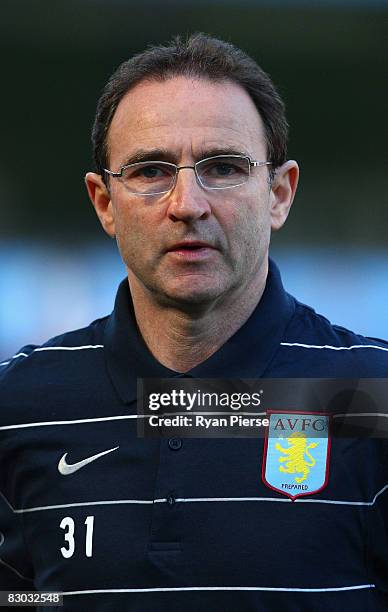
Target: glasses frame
<point>252,164</point>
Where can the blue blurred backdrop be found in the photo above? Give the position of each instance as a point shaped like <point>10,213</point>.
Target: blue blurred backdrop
<point>329,61</point>
<point>46,291</point>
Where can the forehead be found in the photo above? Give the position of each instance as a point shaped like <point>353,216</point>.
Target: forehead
<point>185,116</point>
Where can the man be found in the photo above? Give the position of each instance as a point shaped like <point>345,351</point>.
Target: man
<point>191,178</point>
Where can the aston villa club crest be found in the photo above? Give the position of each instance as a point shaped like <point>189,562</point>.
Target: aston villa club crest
<point>297,452</point>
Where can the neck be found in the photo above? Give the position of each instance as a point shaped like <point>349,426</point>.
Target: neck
<point>180,339</point>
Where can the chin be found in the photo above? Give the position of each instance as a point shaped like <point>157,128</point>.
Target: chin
<point>191,296</point>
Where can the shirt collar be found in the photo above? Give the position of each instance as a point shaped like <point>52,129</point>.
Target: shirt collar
<point>245,355</point>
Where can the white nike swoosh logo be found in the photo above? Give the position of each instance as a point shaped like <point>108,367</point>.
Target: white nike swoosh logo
<point>65,468</point>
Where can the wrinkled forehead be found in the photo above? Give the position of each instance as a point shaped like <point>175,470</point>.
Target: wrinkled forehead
<point>182,112</point>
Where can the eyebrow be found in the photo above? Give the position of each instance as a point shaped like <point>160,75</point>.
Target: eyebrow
<point>144,155</point>
<point>213,152</point>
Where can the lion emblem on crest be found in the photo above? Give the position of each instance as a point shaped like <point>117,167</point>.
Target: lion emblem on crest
<point>294,457</point>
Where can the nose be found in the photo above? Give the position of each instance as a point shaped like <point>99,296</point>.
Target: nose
<point>188,201</point>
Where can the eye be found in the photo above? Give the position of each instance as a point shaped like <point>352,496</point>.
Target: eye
<point>225,169</point>
<point>222,169</point>
<point>153,171</point>
<point>149,177</point>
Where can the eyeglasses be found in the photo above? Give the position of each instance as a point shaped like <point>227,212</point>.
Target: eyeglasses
<point>156,177</point>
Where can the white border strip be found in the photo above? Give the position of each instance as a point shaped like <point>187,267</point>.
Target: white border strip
<point>189,500</point>
<point>14,357</point>
<point>144,416</point>
<point>90,503</point>
<point>122,417</point>
<point>54,348</point>
<point>68,348</point>
<point>334,348</point>
<point>75,422</point>
<point>115,502</point>
<point>347,503</point>
<point>355,587</point>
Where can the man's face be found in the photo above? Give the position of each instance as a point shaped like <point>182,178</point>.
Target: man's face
<point>188,120</point>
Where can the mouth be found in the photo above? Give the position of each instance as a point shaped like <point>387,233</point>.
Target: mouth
<point>191,250</point>
<point>190,245</point>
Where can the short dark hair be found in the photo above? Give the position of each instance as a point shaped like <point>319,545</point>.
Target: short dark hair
<point>198,56</point>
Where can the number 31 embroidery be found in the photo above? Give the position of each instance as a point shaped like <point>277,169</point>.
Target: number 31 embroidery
<point>68,524</point>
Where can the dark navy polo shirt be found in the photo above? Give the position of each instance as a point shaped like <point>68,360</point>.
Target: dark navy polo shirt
<point>155,524</point>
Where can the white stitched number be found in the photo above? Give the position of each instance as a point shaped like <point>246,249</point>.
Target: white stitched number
<point>89,535</point>
<point>68,523</point>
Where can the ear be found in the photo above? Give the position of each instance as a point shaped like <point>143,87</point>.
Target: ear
<point>283,191</point>
<point>101,200</point>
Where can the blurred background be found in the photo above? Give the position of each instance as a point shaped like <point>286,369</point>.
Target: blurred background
<point>58,270</point>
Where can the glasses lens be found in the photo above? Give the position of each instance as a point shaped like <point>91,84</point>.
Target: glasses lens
<point>147,178</point>
<point>223,171</point>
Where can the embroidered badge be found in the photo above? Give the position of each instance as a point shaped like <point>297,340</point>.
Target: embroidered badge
<point>296,453</point>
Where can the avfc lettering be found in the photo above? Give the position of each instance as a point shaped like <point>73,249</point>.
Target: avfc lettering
<point>301,424</point>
